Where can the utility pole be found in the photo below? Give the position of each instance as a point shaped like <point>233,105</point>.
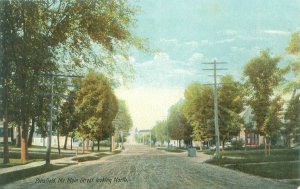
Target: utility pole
<point>50,124</point>
<point>216,120</point>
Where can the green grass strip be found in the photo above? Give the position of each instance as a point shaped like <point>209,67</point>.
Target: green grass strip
<point>26,173</point>
<point>280,170</point>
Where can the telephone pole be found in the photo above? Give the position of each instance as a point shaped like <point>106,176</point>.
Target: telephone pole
<point>216,120</point>
<point>52,94</point>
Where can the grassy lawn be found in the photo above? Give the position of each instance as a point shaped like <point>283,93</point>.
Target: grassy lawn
<point>96,157</point>
<point>281,169</point>
<point>15,157</point>
<point>175,150</point>
<point>256,156</point>
<point>85,158</point>
<point>89,158</point>
<point>26,173</point>
<point>15,162</point>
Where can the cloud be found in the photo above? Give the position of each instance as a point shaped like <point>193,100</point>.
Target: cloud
<point>228,32</point>
<point>207,42</point>
<point>168,42</point>
<point>161,57</point>
<point>276,32</point>
<point>192,43</point>
<point>237,49</point>
<point>163,70</point>
<point>196,57</point>
<point>182,72</point>
<point>224,41</point>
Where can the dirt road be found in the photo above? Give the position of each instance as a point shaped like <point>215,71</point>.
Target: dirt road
<point>140,167</point>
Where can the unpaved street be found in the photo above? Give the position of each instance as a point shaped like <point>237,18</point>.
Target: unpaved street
<point>141,167</point>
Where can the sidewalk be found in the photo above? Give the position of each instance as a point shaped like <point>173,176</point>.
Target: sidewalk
<point>66,160</point>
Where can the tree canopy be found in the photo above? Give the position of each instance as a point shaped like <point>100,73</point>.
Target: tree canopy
<point>198,110</point>
<point>96,105</point>
<point>59,35</point>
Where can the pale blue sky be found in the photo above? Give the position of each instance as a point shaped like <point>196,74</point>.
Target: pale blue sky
<point>189,32</point>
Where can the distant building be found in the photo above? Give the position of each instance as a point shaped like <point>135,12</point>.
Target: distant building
<point>248,132</point>
<point>143,136</point>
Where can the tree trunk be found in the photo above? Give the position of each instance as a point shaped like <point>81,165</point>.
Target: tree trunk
<point>269,146</point>
<point>24,148</point>
<point>87,144</point>
<point>223,145</point>
<point>31,132</point>
<point>288,143</point>
<point>110,145</point>
<point>58,145</point>
<point>5,121</point>
<point>265,143</point>
<point>83,145</point>
<point>98,140</point>
<point>5,139</point>
<point>71,143</point>
<point>12,135</point>
<point>179,143</point>
<point>18,137</point>
<point>93,146</point>
<point>66,142</point>
<point>200,145</point>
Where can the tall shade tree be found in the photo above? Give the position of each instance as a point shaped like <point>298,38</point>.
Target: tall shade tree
<point>36,36</point>
<point>122,122</point>
<point>159,132</point>
<point>178,126</point>
<point>198,110</point>
<point>273,123</point>
<point>262,76</point>
<point>69,121</point>
<point>230,105</point>
<point>97,106</point>
<point>292,121</point>
<point>6,36</point>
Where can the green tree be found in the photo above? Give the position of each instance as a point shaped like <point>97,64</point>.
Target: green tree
<point>294,66</point>
<point>262,76</point>
<point>69,121</point>
<point>178,126</point>
<point>292,117</point>
<point>159,132</point>
<point>272,123</point>
<point>38,34</point>
<point>96,106</point>
<point>122,122</point>
<point>230,105</point>
<point>198,110</point>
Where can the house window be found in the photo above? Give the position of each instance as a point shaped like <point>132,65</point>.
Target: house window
<point>251,138</point>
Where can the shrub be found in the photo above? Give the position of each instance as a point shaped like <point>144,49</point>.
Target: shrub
<point>237,144</point>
